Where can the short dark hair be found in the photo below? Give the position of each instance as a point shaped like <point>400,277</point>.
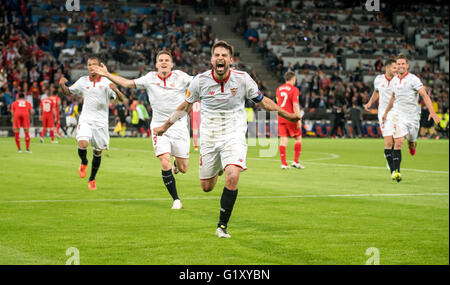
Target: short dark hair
<point>223,44</point>
<point>390,62</point>
<point>288,75</point>
<point>402,56</point>
<point>21,95</point>
<point>91,57</point>
<point>164,52</point>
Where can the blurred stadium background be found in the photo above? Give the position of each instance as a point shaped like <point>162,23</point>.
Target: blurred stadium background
<point>336,48</point>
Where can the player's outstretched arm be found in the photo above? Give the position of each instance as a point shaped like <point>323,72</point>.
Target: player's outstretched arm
<point>269,105</point>
<point>371,100</point>
<point>429,104</point>
<point>121,81</point>
<point>119,94</point>
<point>179,113</point>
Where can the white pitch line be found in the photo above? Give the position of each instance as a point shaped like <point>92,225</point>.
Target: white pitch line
<point>218,197</point>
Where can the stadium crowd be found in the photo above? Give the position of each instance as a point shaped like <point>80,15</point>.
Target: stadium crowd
<point>41,42</point>
<point>280,29</point>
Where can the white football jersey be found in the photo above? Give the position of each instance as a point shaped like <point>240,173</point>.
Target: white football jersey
<point>384,88</point>
<point>96,95</point>
<point>222,104</point>
<point>165,94</point>
<point>406,104</point>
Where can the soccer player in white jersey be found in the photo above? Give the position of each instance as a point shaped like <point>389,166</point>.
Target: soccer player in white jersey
<point>406,111</point>
<point>93,124</point>
<point>383,92</point>
<point>222,93</point>
<point>166,89</point>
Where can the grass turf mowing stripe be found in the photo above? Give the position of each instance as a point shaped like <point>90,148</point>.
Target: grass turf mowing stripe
<point>240,197</point>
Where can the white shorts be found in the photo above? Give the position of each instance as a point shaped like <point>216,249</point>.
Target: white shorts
<point>71,121</point>
<point>175,141</point>
<point>388,129</point>
<point>406,128</point>
<point>99,136</point>
<point>215,157</point>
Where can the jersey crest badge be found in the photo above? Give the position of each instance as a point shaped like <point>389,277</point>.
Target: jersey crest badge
<point>233,91</point>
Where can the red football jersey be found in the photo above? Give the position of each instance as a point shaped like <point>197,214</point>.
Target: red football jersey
<point>287,96</point>
<point>47,106</point>
<point>57,102</point>
<point>21,106</point>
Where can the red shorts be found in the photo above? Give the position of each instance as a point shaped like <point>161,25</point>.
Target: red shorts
<point>48,121</point>
<point>21,120</point>
<point>289,130</point>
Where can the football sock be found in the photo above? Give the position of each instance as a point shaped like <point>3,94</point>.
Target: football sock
<point>169,181</point>
<point>195,137</point>
<point>17,139</point>
<point>297,151</point>
<point>96,160</point>
<point>27,140</point>
<point>43,132</point>
<point>82,154</point>
<point>52,134</point>
<point>388,155</point>
<point>283,154</point>
<point>226,205</point>
<point>397,159</point>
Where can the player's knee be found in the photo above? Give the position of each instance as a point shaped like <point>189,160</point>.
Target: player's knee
<point>183,168</point>
<point>231,181</point>
<point>97,152</point>
<point>207,187</point>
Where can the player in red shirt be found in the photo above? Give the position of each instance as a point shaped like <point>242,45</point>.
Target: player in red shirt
<point>287,98</point>
<point>57,101</point>
<point>47,114</point>
<point>195,122</point>
<point>21,111</point>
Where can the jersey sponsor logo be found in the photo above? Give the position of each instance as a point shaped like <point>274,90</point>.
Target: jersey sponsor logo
<point>233,91</point>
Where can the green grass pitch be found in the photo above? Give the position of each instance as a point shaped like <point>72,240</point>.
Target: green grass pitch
<point>331,212</point>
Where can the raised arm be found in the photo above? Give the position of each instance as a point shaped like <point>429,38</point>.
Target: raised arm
<point>182,110</point>
<point>372,99</point>
<point>269,105</point>
<point>121,81</point>
<point>429,104</point>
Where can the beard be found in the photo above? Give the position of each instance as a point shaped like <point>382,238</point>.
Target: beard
<point>222,70</point>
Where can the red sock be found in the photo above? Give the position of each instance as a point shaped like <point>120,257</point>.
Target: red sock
<point>297,151</point>
<point>195,137</point>
<point>52,134</point>
<point>27,140</point>
<point>17,139</point>
<point>43,132</point>
<point>283,154</point>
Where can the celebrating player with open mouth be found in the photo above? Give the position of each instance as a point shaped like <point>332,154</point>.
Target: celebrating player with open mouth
<point>93,124</point>
<point>166,89</point>
<point>222,93</point>
<point>406,111</point>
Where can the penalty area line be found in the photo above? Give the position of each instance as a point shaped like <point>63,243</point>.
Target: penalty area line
<point>218,197</point>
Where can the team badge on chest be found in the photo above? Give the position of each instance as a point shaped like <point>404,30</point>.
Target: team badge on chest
<point>233,91</point>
